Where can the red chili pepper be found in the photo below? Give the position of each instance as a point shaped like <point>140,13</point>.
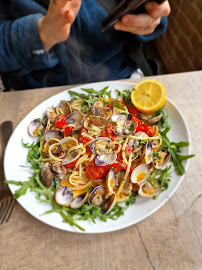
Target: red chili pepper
<point>68,131</point>
<point>60,121</point>
<point>95,172</point>
<point>71,165</point>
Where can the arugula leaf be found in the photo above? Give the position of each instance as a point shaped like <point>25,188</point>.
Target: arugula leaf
<point>161,177</point>
<point>120,106</point>
<point>125,94</point>
<point>172,147</point>
<point>101,93</point>
<point>88,100</point>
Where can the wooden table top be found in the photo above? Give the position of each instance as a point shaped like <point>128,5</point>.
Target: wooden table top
<point>154,243</point>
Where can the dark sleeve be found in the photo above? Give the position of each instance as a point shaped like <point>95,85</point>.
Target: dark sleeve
<point>21,47</point>
<point>161,28</point>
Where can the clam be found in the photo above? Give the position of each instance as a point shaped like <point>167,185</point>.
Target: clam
<point>148,153</point>
<point>149,190</point>
<point>111,180</point>
<point>139,174</point>
<point>120,176</point>
<point>98,121</point>
<point>149,117</point>
<point>97,196</point>
<point>35,126</point>
<point>57,167</point>
<point>122,125</point>
<point>79,200</point>
<point>71,157</point>
<point>58,134</point>
<point>162,158</point>
<point>96,105</point>
<point>103,112</point>
<point>105,159</point>
<point>100,145</point>
<point>63,196</point>
<point>64,106</point>
<point>51,114</point>
<point>76,119</point>
<point>46,175</point>
<point>66,143</point>
<point>108,204</point>
<point>140,134</point>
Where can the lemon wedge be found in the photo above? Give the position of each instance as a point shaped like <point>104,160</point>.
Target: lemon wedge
<point>148,95</point>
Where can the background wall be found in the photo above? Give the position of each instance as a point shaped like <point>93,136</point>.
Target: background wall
<point>180,48</point>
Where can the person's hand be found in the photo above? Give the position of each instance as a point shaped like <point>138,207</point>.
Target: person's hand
<point>55,26</point>
<point>144,24</point>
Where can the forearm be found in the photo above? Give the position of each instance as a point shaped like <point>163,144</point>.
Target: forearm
<point>21,46</point>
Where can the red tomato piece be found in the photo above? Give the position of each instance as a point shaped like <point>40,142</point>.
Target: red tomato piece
<point>148,130</point>
<point>110,134</point>
<point>60,121</point>
<point>95,172</point>
<point>71,165</point>
<point>68,131</point>
<point>132,110</point>
<point>120,102</point>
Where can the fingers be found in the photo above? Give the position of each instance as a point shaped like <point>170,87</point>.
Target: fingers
<point>156,10</point>
<point>142,24</point>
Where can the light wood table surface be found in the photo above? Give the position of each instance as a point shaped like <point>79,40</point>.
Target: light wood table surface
<point>26,243</point>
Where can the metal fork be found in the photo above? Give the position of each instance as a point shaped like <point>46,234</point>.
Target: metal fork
<point>7,200</point>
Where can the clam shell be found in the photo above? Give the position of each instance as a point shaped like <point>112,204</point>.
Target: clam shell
<point>46,175</point>
<point>53,134</point>
<point>148,191</point>
<point>98,146</point>
<point>79,200</point>
<point>140,174</point>
<point>64,106</point>
<point>105,159</point>
<point>161,164</point>
<point>76,119</point>
<point>148,153</point>
<point>63,196</point>
<point>97,196</point>
<point>108,204</point>
<point>35,126</point>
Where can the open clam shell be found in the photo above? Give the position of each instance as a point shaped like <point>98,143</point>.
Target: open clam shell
<point>98,121</point>
<point>71,157</point>
<point>149,190</point>
<point>110,180</point>
<point>51,114</point>
<point>108,204</point>
<point>46,175</point>
<point>139,174</point>
<point>105,159</point>
<point>79,200</point>
<point>100,145</point>
<point>65,107</point>
<point>35,126</point>
<point>76,119</point>
<point>148,153</point>
<point>97,196</point>
<point>67,143</point>
<point>53,134</point>
<point>63,196</point>
<point>162,159</point>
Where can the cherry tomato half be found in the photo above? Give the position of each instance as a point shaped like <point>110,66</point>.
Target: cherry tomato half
<point>95,172</point>
<point>60,121</point>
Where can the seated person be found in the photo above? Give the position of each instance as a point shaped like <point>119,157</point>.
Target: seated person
<point>59,42</point>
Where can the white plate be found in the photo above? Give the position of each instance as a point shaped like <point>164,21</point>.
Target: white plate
<point>16,155</point>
